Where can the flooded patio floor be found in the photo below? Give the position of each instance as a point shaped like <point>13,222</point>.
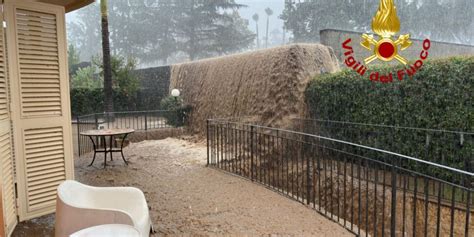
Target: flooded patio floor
<point>186,198</point>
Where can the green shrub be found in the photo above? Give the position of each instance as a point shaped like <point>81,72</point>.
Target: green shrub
<point>439,96</point>
<point>173,104</point>
<point>178,112</point>
<point>86,78</point>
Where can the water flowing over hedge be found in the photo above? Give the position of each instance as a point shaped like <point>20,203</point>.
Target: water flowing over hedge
<point>439,96</point>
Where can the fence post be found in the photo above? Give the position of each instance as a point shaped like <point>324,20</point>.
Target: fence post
<point>308,172</point>
<point>146,125</point>
<point>207,139</point>
<point>78,135</point>
<point>394,202</point>
<point>468,199</point>
<point>96,122</point>
<point>251,152</point>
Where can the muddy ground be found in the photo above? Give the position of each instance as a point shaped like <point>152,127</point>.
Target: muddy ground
<point>186,198</point>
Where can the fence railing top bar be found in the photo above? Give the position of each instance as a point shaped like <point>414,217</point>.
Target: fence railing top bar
<point>141,111</point>
<point>232,118</point>
<point>351,144</point>
<point>386,126</point>
<point>122,112</point>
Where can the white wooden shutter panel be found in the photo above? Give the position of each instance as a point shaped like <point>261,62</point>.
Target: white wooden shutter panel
<point>45,159</point>
<point>40,94</point>
<point>8,186</point>
<point>39,63</point>
<point>6,159</point>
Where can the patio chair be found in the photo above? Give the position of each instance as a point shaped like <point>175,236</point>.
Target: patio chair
<point>80,206</point>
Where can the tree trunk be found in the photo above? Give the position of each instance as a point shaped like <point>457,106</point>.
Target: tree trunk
<point>192,37</point>
<point>258,39</point>
<point>266,37</point>
<point>284,36</point>
<point>109,102</point>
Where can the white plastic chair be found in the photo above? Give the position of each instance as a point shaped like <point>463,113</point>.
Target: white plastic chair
<point>80,206</point>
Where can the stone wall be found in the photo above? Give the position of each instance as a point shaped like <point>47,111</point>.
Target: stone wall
<point>335,38</point>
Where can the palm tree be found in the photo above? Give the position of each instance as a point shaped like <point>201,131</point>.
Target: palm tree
<point>284,35</point>
<point>109,102</point>
<point>269,13</point>
<point>255,18</point>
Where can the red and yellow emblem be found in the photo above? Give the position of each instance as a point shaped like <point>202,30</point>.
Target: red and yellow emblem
<point>386,24</point>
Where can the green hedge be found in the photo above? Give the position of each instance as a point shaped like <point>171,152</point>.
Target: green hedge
<point>88,101</point>
<point>439,96</point>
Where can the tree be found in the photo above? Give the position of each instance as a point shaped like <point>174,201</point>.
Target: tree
<point>122,70</point>
<point>109,101</point>
<point>284,36</point>
<point>269,12</point>
<point>255,18</point>
<point>85,32</point>
<point>200,25</point>
<point>306,18</point>
<point>72,56</point>
<point>124,79</point>
<point>239,36</point>
<point>72,60</point>
<point>156,31</point>
<point>447,20</point>
<point>86,78</point>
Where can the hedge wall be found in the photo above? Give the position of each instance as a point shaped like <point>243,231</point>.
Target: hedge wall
<point>88,101</point>
<point>439,96</point>
<point>154,86</point>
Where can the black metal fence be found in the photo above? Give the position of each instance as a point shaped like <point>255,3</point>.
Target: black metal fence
<point>368,190</point>
<point>450,148</point>
<point>138,120</point>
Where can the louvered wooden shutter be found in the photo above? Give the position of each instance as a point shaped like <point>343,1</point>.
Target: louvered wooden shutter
<point>40,96</point>
<point>39,63</point>
<point>7,191</point>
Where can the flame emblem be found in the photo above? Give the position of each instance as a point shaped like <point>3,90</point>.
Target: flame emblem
<point>386,24</point>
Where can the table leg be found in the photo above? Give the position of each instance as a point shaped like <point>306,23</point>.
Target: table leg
<point>105,151</point>
<point>121,148</point>
<point>95,150</point>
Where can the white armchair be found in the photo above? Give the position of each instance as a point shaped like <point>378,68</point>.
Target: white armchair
<point>80,206</point>
<point>110,230</point>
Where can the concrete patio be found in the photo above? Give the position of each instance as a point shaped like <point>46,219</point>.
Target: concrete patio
<point>186,198</point>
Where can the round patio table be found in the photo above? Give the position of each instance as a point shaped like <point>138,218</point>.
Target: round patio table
<point>102,134</point>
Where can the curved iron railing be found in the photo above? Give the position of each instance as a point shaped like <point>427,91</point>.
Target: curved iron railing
<point>368,190</point>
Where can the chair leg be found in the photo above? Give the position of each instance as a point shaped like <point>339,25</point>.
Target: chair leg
<point>152,228</point>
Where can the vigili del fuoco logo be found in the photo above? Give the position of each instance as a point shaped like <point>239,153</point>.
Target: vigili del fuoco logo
<point>385,46</point>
